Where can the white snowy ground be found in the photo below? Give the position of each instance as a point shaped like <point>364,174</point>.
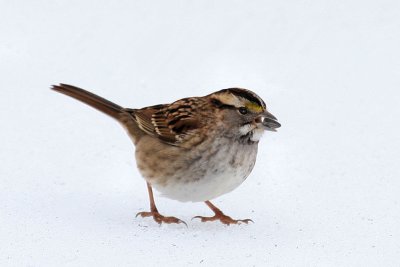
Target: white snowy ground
<point>325,190</point>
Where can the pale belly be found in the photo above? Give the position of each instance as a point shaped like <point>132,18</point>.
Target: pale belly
<point>209,175</point>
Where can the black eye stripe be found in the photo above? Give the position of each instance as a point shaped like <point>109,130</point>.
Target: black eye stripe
<point>220,105</point>
<point>216,102</point>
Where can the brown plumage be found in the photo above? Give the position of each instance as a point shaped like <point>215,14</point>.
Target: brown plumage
<point>194,149</point>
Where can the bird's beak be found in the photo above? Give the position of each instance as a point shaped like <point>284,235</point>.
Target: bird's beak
<point>269,121</point>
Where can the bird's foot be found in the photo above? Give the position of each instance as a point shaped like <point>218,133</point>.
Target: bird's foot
<point>160,218</point>
<point>222,218</point>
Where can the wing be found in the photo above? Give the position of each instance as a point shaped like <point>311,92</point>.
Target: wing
<point>174,124</point>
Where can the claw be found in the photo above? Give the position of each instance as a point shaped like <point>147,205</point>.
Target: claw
<point>158,218</point>
<point>222,218</point>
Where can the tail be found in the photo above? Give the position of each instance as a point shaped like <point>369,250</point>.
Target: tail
<point>95,101</point>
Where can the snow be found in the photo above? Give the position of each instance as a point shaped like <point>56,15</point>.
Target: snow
<point>325,190</point>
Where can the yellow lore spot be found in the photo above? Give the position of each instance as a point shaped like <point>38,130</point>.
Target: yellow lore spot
<point>253,107</point>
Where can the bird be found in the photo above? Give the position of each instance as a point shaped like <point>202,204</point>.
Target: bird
<point>194,149</point>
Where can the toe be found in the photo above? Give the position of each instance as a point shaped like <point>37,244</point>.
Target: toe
<point>144,214</point>
<point>158,218</point>
<point>223,219</point>
<point>246,221</point>
<point>175,220</point>
<point>205,219</point>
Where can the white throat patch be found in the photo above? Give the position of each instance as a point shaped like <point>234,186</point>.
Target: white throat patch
<point>245,129</point>
<point>257,133</point>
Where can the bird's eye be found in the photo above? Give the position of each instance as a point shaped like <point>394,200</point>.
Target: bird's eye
<point>243,110</point>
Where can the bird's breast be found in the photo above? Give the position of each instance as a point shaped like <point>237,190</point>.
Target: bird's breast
<point>206,172</point>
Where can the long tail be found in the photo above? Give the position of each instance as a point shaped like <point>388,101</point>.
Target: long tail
<point>124,116</point>
<point>90,99</point>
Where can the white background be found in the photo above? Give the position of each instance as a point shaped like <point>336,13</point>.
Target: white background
<point>325,190</point>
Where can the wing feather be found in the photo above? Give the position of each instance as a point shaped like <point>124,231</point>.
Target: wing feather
<point>175,123</point>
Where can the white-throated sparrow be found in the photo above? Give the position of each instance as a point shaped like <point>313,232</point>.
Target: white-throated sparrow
<point>195,149</point>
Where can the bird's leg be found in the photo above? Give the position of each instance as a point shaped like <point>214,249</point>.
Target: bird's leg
<point>219,215</point>
<point>154,212</point>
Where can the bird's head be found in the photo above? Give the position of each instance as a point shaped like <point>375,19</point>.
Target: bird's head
<point>244,113</point>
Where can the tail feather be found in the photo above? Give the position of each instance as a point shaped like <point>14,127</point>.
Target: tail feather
<point>90,99</point>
